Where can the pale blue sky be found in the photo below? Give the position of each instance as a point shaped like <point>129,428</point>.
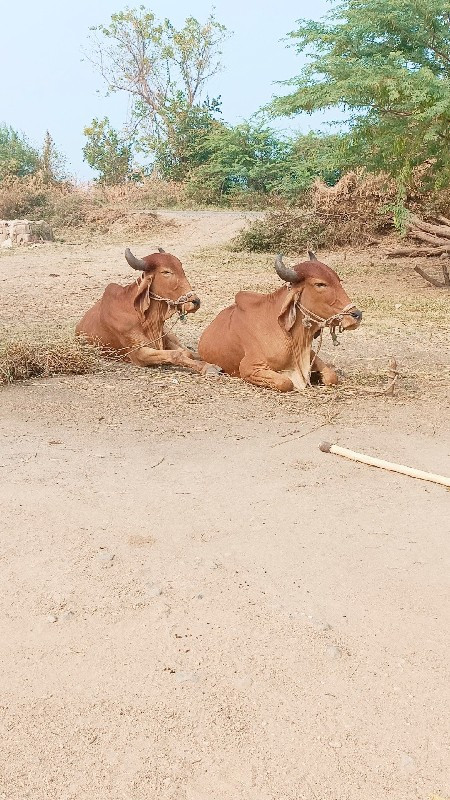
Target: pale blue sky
<point>47,85</point>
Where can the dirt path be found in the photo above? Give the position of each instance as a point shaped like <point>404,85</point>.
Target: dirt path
<point>197,604</point>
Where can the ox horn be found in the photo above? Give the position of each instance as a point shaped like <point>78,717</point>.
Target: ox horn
<point>312,256</point>
<point>136,263</point>
<point>160,250</point>
<point>285,273</point>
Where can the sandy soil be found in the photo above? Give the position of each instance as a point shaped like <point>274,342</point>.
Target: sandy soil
<point>197,604</point>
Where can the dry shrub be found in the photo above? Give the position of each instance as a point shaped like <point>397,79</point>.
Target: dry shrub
<point>286,230</point>
<point>45,352</point>
<point>67,207</point>
<point>150,192</point>
<point>107,219</point>
<point>354,211</point>
<point>23,197</point>
<point>359,209</point>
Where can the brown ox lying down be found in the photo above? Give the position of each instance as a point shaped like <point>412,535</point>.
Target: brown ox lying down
<point>129,320</point>
<point>266,338</point>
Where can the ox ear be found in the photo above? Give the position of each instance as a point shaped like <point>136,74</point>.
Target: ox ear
<point>142,299</point>
<point>288,313</point>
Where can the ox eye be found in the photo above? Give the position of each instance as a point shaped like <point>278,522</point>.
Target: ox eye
<point>166,272</point>
<point>321,285</point>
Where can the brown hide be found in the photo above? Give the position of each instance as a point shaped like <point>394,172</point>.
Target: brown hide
<point>262,338</point>
<point>129,323</point>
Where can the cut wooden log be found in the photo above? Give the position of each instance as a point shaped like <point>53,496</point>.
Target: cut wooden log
<point>410,252</point>
<point>415,233</point>
<point>438,251</point>
<point>432,280</point>
<point>438,230</point>
<point>435,239</point>
<point>441,218</point>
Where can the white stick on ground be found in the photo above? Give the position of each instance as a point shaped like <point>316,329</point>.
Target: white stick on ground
<point>326,447</point>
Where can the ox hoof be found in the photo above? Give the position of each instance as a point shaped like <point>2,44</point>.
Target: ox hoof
<point>328,377</point>
<point>211,371</point>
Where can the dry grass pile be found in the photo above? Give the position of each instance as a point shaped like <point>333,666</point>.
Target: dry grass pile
<point>359,209</point>
<point>109,220</point>
<point>354,211</point>
<point>43,353</point>
<point>285,230</point>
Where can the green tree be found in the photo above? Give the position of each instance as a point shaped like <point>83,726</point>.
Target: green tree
<point>310,156</point>
<point>249,157</point>
<point>17,156</point>
<point>52,164</point>
<point>252,157</point>
<point>387,62</point>
<point>107,152</point>
<point>185,145</point>
<point>165,72</point>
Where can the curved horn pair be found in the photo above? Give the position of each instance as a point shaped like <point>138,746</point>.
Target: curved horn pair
<point>138,263</point>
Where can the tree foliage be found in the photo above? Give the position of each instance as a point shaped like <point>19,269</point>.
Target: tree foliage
<point>253,158</point>
<point>245,157</point>
<point>52,164</point>
<point>185,145</point>
<point>165,72</point>
<point>17,156</point>
<point>387,62</point>
<point>107,152</point>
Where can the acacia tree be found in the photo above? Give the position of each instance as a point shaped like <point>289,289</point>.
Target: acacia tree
<point>388,63</point>
<point>161,68</point>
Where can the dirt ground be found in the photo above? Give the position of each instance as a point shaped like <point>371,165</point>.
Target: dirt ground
<point>198,604</point>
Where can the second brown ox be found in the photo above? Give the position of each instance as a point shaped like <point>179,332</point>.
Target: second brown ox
<point>266,338</point>
<point>129,320</point>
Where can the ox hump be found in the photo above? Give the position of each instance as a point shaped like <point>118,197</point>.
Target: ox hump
<point>247,300</point>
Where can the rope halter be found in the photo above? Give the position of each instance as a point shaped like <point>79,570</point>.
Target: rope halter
<point>309,318</point>
<point>184,298</point>
<point>173,303</point>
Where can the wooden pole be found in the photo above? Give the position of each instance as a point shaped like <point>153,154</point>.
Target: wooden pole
<point>326,447</point>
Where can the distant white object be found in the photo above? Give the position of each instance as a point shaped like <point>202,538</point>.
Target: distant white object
<point>24,231</point>
<point>6,244</point>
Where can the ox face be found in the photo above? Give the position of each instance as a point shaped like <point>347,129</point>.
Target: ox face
<point>167,280</point>
<point>320,291</point>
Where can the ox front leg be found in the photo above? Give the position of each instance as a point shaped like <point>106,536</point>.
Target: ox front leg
<point>171,342</point>
<point>148,357</point>
<point>262,375</point>
<point>326,371</point>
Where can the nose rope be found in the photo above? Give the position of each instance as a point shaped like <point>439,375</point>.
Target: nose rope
<point>184,298</point>
<point>172,303</point>
<point>309,318</point>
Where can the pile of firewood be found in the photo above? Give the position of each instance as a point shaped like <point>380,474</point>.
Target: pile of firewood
<point>435,237</point>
